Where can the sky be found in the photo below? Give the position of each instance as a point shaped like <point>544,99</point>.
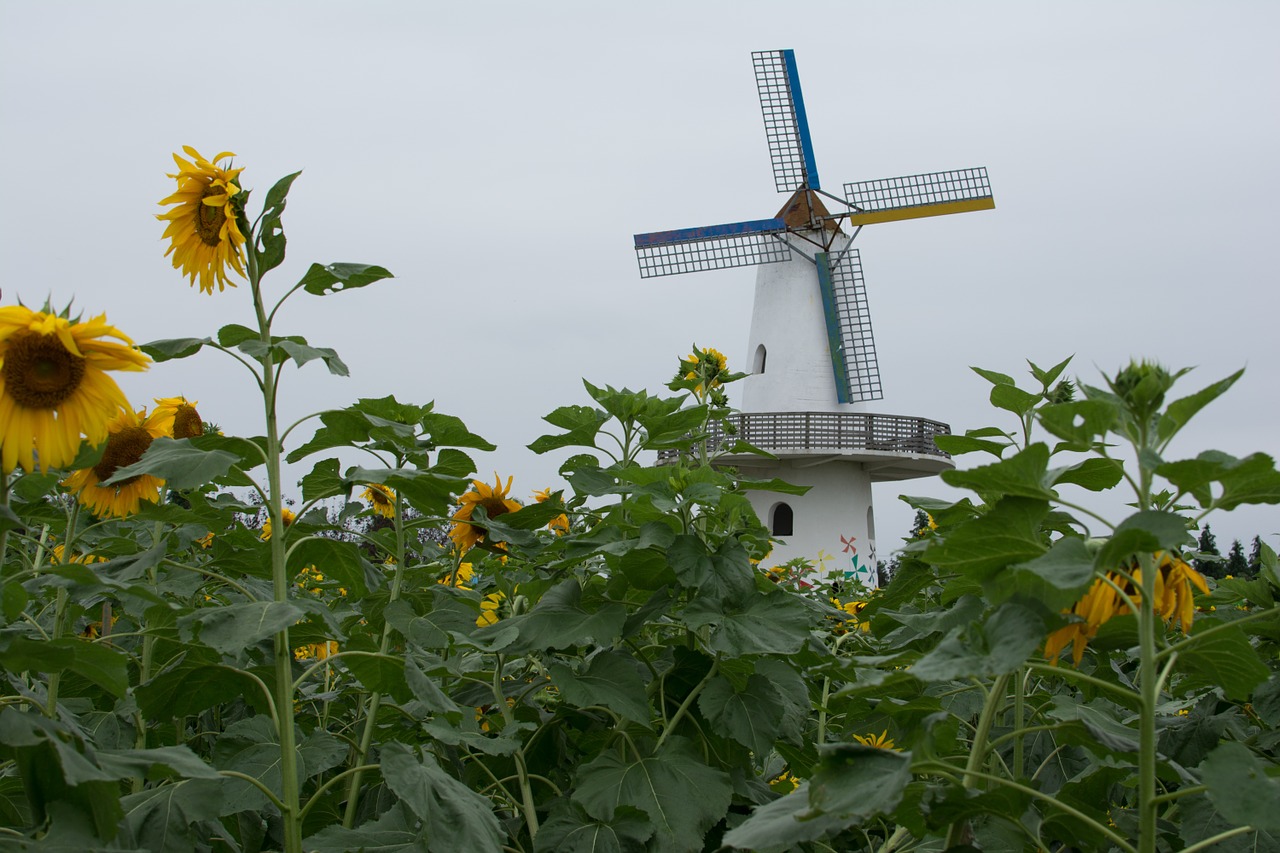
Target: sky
<point>498,158</point>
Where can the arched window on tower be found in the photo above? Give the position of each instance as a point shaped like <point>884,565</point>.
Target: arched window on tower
<point>758,367</point>
<point>782,520</point>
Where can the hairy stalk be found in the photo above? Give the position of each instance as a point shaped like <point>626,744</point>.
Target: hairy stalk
<point>978,751</point>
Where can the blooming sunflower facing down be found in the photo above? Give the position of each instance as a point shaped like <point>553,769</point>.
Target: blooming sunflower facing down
<point>128,436</point>
<point>495,503</point>
<point>54,386</point>
<point>178,417</point>
<point>1174,598</point>
<point>285,513</point>
<point>381,499</point>
<point>203,232</point>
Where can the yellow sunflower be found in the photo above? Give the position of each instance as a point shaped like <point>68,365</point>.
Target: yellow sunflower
<point>203,232</point>
<point>560,524</point>
<point>178,417</point>
<point>880,741</point>
<point>490,609</point>
<point>495,502</point>
<point>708,368</point>
<point>381,499</point>
<point>461,577</point>
<point>1174,598</point>
<point>316,651</point>
<point>53,385</point>
<point>129,435</point>
<point>285,513</point>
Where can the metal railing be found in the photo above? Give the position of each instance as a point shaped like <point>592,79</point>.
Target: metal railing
<point>835,432</point>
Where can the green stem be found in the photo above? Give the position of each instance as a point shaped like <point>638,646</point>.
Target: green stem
<point>375,698</point>
<point>1019,699</point>
<point>978,750</point>
<point>687,703</point>
<point>1149,687</point>
<point>4,534</point>
<point>280,586</point>
<point>1209,842</point>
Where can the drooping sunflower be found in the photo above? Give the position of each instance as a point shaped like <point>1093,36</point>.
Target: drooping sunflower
<point>54,386</point>
<point>204,234</point>
<point>285,513</point>
<point>178,417</point>
<point>381,499</point>
<point>495,502</point>
<point>129,435</point>
<point>1174,598</point>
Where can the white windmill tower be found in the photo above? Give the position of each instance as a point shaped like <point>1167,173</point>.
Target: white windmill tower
<point>810,351</point>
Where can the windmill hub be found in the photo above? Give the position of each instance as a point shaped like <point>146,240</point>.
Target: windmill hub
<point>810,350</point>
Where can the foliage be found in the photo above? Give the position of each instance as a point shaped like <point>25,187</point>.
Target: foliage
<point>616,666</point>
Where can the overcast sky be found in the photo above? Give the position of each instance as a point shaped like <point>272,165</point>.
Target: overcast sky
<point>498,158</point>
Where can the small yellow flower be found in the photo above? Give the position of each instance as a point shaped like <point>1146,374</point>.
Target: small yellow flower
<point>381,499</point>
<point>203,232</point>
<point>881,741</point>
<point>285,513</point>
<point>784,783</point>
<point>206,540</point>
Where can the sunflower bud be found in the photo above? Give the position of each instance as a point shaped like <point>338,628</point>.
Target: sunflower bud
<point>1142,386</point>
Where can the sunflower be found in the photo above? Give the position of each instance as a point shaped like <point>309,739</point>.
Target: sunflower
<point>880,741</point>
<point>852,608</point>
<point>461,577</point>
<point>1174,598</point>
<point>316,651</point>
<point>560,524</point>
<point>702,372</point>
<point>53,385</point>
<point>178,417</point>
<point>495,502</point>
<point>285,513</point>
<point>381,499</point>
<point>129,435</point>
<point>203,230</point>
<point>490,609</point>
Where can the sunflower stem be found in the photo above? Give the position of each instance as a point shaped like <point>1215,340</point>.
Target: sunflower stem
<point>978,750</point>
<point>4,506</point>
<point>284,693</point>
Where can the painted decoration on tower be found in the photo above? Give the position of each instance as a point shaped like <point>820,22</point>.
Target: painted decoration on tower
<point>861,567</point>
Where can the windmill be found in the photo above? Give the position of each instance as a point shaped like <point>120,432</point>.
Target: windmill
<point>811,348</point>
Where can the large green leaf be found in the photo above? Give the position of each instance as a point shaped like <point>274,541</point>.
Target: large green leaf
<point>1008,534</point>
<point>775,623</point>
<point>571,830</point>
<point>301,353</point>
<point>1143,532</point>
<point>610,680</point>
<point>680,794</point>
<point>235,627</point>
<point>456,817</point>
<point>170,817</point>
<point>173,348</point>
<point>379,673</point>
<point>194,684</point>
<point>179,463</point>
<point>1224,659</point>
<point>396,831</point>
<point>335,278</point>
<point>560,620</point>
<point>751,715</point>
<point>252,746</point>
<point>100,664</point>
<point>994,647</point>
<point>271,239</point>
<point>1179,412</point>
<point>581,425</point>
<point>1056,578</point>
<point>1023,474</point>
<point>1241,788</point>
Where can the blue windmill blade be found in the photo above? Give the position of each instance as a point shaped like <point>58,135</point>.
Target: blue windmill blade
<point>711,247</point>
<point>785,125</point>
<point>853,347</point>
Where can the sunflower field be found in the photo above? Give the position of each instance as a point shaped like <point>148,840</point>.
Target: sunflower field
<point>394,656</point>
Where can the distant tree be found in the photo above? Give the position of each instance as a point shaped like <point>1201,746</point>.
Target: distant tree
<point>1237,566</point>
<point>1210,564</point>
<point>1255,557</point>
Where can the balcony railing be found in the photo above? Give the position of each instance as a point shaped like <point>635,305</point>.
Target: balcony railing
<point>828,432</point>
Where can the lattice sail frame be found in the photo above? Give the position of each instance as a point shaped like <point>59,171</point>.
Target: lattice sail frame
<point>849,335</point>
<point>913,196</point>
<point>714,247</point>
<point>786,127</point>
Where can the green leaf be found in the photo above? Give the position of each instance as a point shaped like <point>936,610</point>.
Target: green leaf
<point>1143,532</point>
<point>324,481</point>
<point>97,663</point>
<point>1179,412</point>
<point>176,761</point>
<point>1013,399</point>
<point>751,715</point>
<point>334,278</point>
<point>1225,659</point>
<point>1096,475</point>
<point>1240,787</point>
<point>610,680</point>
<point>235,627</point>
<point>1056,578</point>
<point>339,561</point>
<point>858,781</point>
<point>179,463</point>
<point>196,683</point>
<point>1007,534</point>
<point>234,334</point>
<point>581,422</point>
<point>680,794</point>
<point>1047,377</point>
<point>302,353</point>
<point>457,817</point>
<point>171,348</point>
<point>957,445</point>
<point>571,830</point>
<point>561,620</point>
<point>1023,474</point>
<point>1079,423</point>
<point>1099,718</point>
<point>396,831</point>
<point>994,647</point>
<point>993,377</point>
<point>774,623</point>
<point>379,673</point>
<point>270,231</point>
<point>1253,480</point>
<point>171,817</point>
<point>252,746</point>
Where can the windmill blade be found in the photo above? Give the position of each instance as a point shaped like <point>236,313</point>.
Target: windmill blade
<point>853,349</point>
<point>712,247</point>
<point>914,196</point>
<point>785,125</point>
